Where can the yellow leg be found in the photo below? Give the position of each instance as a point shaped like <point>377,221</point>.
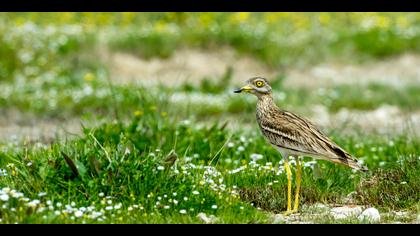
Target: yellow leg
<point>289,185</point>
<point>298,180</point>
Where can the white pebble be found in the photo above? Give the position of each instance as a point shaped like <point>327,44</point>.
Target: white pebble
<point>206,219</point>
<point>278,219</point>
<point>370,214</point>
<point>345,212</point>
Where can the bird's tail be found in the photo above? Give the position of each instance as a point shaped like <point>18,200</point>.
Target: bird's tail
<point>355,164</point>
<point>343,157</point>
<point>350,162</point>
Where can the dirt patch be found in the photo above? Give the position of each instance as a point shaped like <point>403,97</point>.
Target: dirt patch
<point>185,66</point>
<point>192,65</point>
<point>383,120</point>
<point>397,71</point>
<point>15,126</point>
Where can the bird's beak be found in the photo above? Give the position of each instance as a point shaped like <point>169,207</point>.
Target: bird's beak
<point>246,88</point>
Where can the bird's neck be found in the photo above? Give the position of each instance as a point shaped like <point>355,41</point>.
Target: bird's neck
<point>265,103</point>
<point>266,99</point>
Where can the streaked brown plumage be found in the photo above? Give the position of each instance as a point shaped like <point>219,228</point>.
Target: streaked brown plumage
<point>297,136</point>
<point>293,135</point>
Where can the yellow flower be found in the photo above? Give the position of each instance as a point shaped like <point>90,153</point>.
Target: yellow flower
<point>160,26</point>
<point>205,19</point>
<point>127,18</point>
<point>324,18</point>
<point>243,16</point>
<point>382,22</point>
<point>402,22</point>
<point>300,21</point>
<point>239,17</point>
<point>138,113</point>
<point>271,17</point>
<point>89,77</point>
<point>164,114</point>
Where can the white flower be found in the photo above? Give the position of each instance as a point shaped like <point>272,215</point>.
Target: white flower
<point>3,172</point>
<point>214,207</point>
<point>241,148</point>
<point>118,206</point>
<point>41,194</point>
<point>161,168</point>
<point>78,214</point>
<point>175,202</point>
<point>174,194</point>
<point>256,156</point>
<point>230,145</point>
<point>101,194</point>
<point>33,203</point>
<point>234,171</point>
<point>4,197</point>
<point>183,211</point>
<point>403,182</point>
<point>109,202</point>
<point>29,164</point>
<point>195,192</point>
<point>186,122</point>
<point>16,194</point>
<point>6,190</point>
<point>108,208</point>
<point>166,207</point>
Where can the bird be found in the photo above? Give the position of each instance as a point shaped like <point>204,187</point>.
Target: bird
<point>293,136</point>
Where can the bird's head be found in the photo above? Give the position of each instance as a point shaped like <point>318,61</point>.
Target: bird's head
<point>257,85</point>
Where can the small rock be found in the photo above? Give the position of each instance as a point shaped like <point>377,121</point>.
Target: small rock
<point>278,219</point>
<point>370,214</point>
<point>319,207</point>
<point>206,219</point>
<point>345,212</point>
<point>401,214</point>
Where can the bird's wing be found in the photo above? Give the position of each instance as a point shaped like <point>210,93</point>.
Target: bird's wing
<point>298,134</point>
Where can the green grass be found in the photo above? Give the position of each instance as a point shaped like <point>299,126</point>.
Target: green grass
<point>211,98</point>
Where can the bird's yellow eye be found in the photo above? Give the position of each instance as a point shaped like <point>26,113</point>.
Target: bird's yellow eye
<point>259,83</point>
